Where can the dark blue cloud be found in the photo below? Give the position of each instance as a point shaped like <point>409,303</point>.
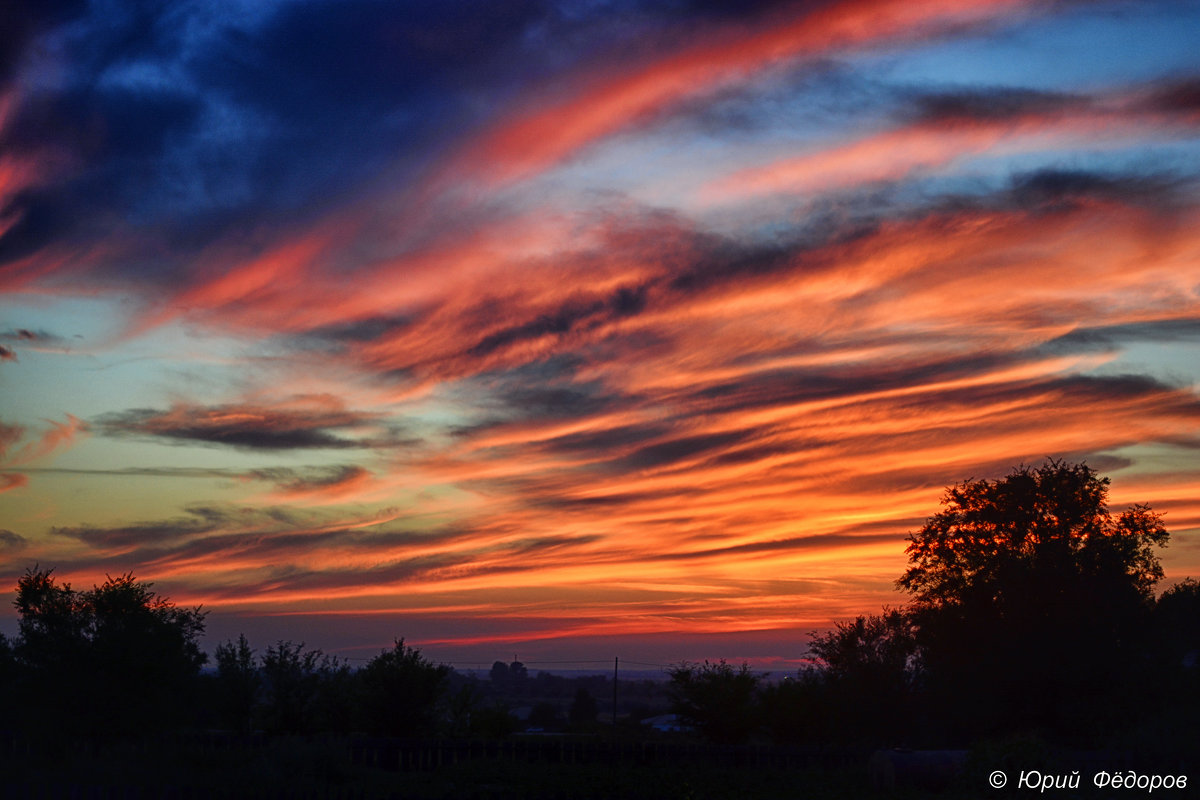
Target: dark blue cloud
<point>20,22</point>
<point>184,127</point>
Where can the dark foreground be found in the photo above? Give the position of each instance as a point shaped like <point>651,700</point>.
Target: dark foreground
<point>213,766</point>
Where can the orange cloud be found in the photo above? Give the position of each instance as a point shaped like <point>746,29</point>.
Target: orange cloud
<point>12,480</point>
<point>697,414</point>
<point>60,435</point>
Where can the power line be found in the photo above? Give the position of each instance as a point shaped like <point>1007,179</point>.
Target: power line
<point>555,662</point>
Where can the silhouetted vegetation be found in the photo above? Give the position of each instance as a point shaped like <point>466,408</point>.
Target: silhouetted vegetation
<point>403,690</point>
<point>718,700</point>
<point>1034,601</point>
<point>1033,617</point>
<point>237,684</point>
<point>1033,626</point>
<point>867,671</point>
<point>583,709</point>
<point>117,659</point>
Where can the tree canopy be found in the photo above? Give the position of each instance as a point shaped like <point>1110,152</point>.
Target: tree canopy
<point>115,657</point>
<point>1047,523</point>
<point>404,687</point>
<point>1032,600</point>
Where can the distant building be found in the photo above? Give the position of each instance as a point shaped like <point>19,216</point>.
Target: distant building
<point>667,723</point>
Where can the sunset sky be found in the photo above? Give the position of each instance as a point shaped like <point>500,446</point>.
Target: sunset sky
<point>587,328</point>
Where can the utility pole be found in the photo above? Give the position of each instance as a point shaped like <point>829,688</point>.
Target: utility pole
<point>616,664</point>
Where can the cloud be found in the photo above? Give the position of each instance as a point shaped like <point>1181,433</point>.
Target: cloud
<point>60,435</point>
<point>818,542</point>
<point>12,480</point>
<point>279,554</point>
<point>569,316</point>
<point>535,139</point>
<point>682,300</point>
<point>120,540</point>
<point>38,340</point>
<point>24,23</point>
<point>12,542</point>
<point>1057,189</point>
<point>119,132</point>
<point>300,423</point>
<point>1112,337</point>
<point>332,483</point>
<point>168,129</point>
<point>1178,95</point>
<point>940,129</point>
<point>945,108</point>
<point>9,435</point>
<point>208,533</point>
<point>32,337</point>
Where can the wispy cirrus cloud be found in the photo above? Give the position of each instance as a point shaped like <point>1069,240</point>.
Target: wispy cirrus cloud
<point>56,436</point>
<point>12,480</point>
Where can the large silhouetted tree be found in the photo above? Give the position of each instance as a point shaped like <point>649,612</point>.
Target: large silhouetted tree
<point>1031,600</point>
<point>117,658</point>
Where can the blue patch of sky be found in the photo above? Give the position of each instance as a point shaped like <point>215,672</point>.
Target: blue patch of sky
<point>1117,159</point>
<point>1094,46</point>
<point>90,372</point>
<point>1172,362</point>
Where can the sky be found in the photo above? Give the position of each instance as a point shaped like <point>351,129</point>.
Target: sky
<point>580,329</point>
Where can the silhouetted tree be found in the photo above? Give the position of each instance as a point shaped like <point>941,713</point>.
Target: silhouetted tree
<point>9,678</point>
<point>868,669</point>
<point>801,709</point>
<point>583,709</point>
<point>499,676</point>
<point>1031,600</point>
<point>718,700</point>
<point>401,691</point>
<point>494,721</point>
<point>305,690</point>
<point>117,659</point>
<point>1177,666</point>
<point>1177,625</point>
<point>545,715</point>
<point>238,682</point>
<point>461,708</point>
<point>518,677</point>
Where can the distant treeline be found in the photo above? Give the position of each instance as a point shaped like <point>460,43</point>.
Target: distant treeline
<point>120,661</point>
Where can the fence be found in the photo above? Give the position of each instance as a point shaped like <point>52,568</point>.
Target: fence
<point>409,755</point>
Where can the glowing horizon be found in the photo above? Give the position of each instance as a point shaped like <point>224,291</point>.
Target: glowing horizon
<point>566,327</point>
